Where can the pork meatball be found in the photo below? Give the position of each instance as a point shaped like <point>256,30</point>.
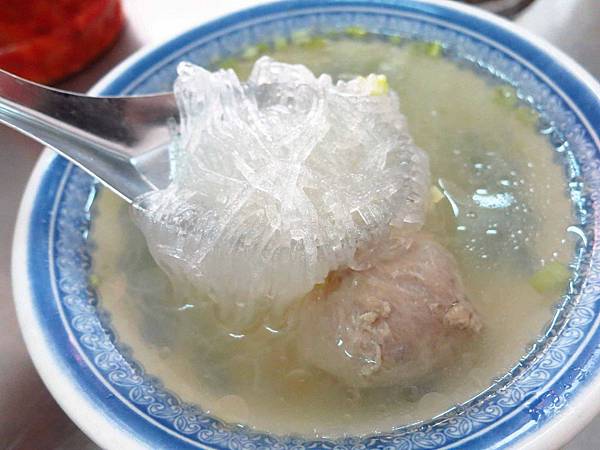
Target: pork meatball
<point>395,322</point>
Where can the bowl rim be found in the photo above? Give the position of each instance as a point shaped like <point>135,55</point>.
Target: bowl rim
<point>106,430</point>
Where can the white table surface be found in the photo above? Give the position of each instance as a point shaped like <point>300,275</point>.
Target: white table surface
<point>30,419</point>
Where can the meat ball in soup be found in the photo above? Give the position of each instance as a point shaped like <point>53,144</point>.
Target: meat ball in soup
<point>395,322</point>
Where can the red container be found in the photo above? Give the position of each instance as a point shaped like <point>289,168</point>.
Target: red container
<point>47,40</point>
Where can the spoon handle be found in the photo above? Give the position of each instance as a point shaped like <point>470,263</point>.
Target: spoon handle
<point>102,135</point>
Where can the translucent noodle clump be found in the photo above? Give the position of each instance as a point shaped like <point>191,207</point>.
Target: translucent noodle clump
<point>277,181</point>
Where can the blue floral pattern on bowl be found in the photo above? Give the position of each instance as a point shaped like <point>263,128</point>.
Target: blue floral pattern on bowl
<point>537,390</point>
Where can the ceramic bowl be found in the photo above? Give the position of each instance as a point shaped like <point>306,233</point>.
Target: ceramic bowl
<point>552,392</point>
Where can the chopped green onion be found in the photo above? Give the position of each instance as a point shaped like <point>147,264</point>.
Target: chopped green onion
<point>251,52</point>
<point>263,48</point>
<point>380,86</point>
<point>551,278</point>
<point>229,63</point>
<point>94,280</point>
<point>300,37</point>
<point>431,49</point>
<point>505,96</point>
<point>315,43</point>
<point>395,40</point>
<point>434,49</point>
<point>280,43</point>
<point>356,31</point>
<point>527,115</point>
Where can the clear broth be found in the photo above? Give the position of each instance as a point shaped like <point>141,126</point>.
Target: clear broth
<point>505,215</point>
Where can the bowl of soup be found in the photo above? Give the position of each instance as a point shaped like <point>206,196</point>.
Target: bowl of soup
<point>485,320</point>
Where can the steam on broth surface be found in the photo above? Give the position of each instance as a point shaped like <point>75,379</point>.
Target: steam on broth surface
<point>499,205</point>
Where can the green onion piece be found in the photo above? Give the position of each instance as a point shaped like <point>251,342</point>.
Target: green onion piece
<point>434,49</point>
<point>315,43</point>
<point>356,32</point>
<point>229,63</point>
<point>381,86</point>
<point>431,49</point>
<point>94,280</point>
<point>527,115</point>
<point>263,48</point>
<point>300,37</point>
<point>395,40</point>
<point>505,96</point>
<point>551,278</point>
<point>251,52</point>
<point>280,43</point>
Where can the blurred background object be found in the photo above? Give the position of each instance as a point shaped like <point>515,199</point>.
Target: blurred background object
<point>505,7</point>
<point>45,41</point>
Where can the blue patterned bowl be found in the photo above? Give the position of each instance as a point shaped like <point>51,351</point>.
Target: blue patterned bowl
<point>550,395</point>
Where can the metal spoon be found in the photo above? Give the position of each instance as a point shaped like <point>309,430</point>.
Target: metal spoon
<point>122,141</point>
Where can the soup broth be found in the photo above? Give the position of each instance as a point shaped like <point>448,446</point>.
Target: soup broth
<point>500,205</point>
